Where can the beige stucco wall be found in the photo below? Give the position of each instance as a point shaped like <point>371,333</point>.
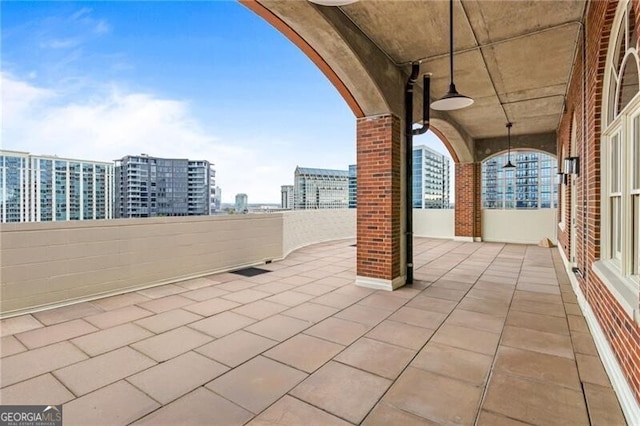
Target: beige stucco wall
<point>304,227</point>
<point>52,262</point>
<point>519,226</point>
<point>433,223</point>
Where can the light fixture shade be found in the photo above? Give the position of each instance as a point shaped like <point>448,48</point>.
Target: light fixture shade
<point>452,100</point>
<point>333,2</point>
<point>509,165</point>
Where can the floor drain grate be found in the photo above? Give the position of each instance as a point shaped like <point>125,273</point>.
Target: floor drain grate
<point>250,272</point>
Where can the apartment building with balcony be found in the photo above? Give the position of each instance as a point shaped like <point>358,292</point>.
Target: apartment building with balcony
<point>150,186</point>
<point>431,186</point>
<point>530,185</point>
<point>41,188</point>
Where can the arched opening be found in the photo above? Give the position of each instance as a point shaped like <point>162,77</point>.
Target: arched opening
<point>530,185</point>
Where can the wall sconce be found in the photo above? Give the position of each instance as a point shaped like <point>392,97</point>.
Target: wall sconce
<point>561,178</point>
<point>571,166</point>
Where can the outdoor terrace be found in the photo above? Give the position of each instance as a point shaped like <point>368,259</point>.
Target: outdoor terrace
<point>490,333</point>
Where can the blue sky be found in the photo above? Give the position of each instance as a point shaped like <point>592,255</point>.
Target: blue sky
<point>199,80</point>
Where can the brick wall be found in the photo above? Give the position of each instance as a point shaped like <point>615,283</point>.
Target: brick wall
<point>379,141</point>
<point>468,199</point>
<point>622,332</point>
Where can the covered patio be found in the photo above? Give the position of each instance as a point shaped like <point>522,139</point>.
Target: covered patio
<point>489,334</point>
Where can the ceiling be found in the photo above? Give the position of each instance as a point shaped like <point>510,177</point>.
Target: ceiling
<point>513,57</point>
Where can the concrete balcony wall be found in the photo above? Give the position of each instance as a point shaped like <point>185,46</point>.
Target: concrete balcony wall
<point>304,227</point>
<point>55,262</point>
<point>433,223</point>
<point>519,226</point>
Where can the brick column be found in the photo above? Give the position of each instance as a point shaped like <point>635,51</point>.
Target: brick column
<point>379,203</point>
<point>468,198</point>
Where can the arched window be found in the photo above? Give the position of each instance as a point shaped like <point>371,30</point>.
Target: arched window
<point>619,266</point>
<point>530,185</point>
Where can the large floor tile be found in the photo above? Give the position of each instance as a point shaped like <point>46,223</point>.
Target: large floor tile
<point>278,327</point>
<point>111,338</point>
<point>478,320</point>
<point>9,345</point>
<point>383,415</point>
<point>456,363</point>
<point>116,404</point>
<point>204,293</point>
<point>168,320</point>
<point>401,334</point>
<point>211,306</point>
<point>94,373</point>
<point>118,316</point>
<point>312,312</point>
<point>18,324</point>
<point>466,338</point>
<point>376,357</point>
<point>544,368</point>
<point>26,365</point>
<point>366,315</point>
<point>161,291</point>
<point>246,296</point>
<point>545,323</point>
<point>41,390</point>
<point>167,303</point>
<point>545,404</point>
<point>290,298</point>
<point>341,390</point>
<point>260,309</point>
<point>603,406</point>
<point>55,333</point>
<point>338,330</point>
<point>487,418</point>
<point>434,397</point>
<point>171,343</point>
<point>290,411</point>
<point>257,384</point>
<point>591,370</point>
<point>66,313</point>
<point>538,341</point>
<point>176,377</point>
<point>306,353</point>
<point>385,300</point>
<point>119,301</point>
<point>236,348</point>
<point>418,317</point>
<point>200,407</point>
<point>222,324</point>
<point>432,304</point>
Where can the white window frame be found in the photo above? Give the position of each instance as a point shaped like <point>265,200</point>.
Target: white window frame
<point>618,269</point>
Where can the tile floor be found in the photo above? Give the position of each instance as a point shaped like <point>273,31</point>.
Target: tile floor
<point>489,334</point>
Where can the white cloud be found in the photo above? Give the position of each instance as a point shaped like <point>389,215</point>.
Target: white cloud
<point>116,123</point>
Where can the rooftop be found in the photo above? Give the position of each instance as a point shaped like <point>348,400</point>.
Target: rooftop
<point>489,334</point>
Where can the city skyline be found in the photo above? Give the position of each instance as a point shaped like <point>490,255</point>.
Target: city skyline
<point>104,80</point>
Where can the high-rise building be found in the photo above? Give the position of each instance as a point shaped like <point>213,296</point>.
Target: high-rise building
<point>286,196</point>
<point>431,188</point>
<point>217,198</point>
<point>149,186</point>
<point>242,203</point>
<point>530,185</point>
<point>320,189</point>
<point>38,188</point>
<point>353,186</point>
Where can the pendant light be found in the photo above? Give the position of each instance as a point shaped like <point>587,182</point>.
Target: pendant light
<point>509,164</point>
<point>452,100</point>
